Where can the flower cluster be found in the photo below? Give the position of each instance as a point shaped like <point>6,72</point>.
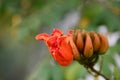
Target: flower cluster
<point>75,45</point>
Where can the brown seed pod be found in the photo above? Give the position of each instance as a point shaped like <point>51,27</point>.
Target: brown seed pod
<point>79,41</point>
<point>103,43</point>
<point>95,41</point>
<point>88,48</point>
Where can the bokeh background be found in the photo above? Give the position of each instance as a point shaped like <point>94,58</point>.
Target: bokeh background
<point>24,58</point>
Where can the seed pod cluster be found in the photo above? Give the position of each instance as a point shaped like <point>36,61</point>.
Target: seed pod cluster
<point>90,45</point>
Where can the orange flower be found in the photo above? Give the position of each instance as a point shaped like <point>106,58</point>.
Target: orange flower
<point>58,45</point>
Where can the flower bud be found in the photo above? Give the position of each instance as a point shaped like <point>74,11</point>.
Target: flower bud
<point>95,41</point>
<point>103,44</point>
<point>79,41</point>
<point>88,48</point>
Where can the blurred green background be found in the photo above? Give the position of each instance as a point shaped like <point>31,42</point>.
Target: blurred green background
<point>24,58</point>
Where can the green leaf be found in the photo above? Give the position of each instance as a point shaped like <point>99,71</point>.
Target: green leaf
<point>116,74</point>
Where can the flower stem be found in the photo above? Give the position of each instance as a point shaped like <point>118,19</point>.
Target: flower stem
<point>98,73</point>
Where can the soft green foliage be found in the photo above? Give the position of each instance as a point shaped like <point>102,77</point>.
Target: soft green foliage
<point>74,72</point>
<point>116,74</point>
<point>46,71</point>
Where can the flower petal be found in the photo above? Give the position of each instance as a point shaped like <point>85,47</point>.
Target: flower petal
<point>64,55</point>
<point>73,47</point>
<point>42,36</point>
<point>56,32</point>
<point>52,41</point>
<point>70,32</point>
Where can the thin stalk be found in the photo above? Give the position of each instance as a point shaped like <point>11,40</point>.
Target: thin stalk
<point>98,73</point>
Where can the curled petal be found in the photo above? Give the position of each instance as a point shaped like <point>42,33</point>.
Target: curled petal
<point>74,48</point>
<point>60,39</point>
<point>70,32</point>
<point>60,59</point>
<point>64,55</point>
<point>52,41</point>
<point>56,32</point>
<point>42,36</point>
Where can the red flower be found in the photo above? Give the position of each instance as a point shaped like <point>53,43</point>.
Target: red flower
<point>59,46</point>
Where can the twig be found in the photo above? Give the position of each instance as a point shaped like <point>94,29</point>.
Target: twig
<point>98,73</point>
<point>90,72</point>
